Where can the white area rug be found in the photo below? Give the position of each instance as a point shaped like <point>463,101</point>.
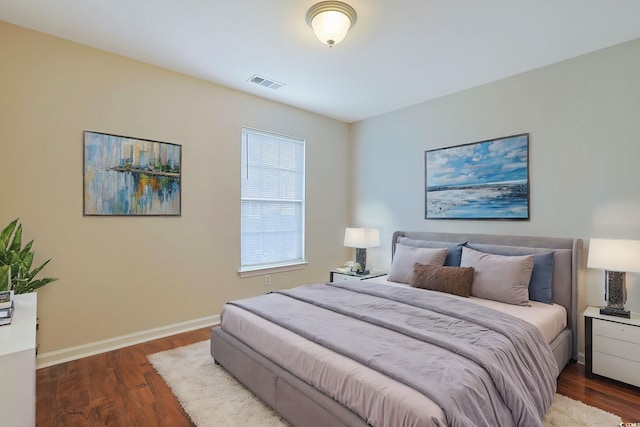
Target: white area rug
<point>212,397</point>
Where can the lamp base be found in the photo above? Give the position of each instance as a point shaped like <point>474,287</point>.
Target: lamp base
<point>615,312</point>
<point>361,258</point>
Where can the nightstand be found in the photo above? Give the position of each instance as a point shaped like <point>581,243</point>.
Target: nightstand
<point>612,346</point>
<point>342,276</point>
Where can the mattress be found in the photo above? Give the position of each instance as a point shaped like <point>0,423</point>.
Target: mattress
<point>373,396</point>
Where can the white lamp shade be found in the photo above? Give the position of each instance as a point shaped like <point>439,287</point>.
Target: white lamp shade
<point>614,255</point>
<point>362,237</point>
<point>331,27</point>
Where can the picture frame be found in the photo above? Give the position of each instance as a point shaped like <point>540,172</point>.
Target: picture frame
<point>126,176</point>
<point>481,180</point>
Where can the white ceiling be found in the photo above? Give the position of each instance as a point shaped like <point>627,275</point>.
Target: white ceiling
<point>399,53</point>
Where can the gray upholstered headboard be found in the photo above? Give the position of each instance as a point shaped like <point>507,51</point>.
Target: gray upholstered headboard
<point>565,269</point>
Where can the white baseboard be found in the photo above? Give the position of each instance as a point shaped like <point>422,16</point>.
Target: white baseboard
<point>581,358</point>
<point>73,353</point>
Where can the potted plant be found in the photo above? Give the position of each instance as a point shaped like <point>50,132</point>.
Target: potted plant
<point>16,261</point>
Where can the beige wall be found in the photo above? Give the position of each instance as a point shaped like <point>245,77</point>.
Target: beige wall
<point>122,275</point>
<point>583,116</point>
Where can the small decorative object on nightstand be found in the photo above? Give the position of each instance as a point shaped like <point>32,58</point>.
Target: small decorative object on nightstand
<point>343,276</point>
<point>612,346</point>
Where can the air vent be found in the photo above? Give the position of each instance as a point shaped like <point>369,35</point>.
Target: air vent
<point>263,81</point>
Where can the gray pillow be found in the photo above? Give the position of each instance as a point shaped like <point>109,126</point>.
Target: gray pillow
<point>454,252</point>
<point>499,277</point>
<point>541,282</point>
<point>406,256</point>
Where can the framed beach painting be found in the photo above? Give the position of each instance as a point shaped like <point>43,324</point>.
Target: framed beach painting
<point>482,180</point>
<point>130,176</point>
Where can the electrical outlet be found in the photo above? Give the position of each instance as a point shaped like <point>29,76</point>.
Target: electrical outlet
<point>267,280</point>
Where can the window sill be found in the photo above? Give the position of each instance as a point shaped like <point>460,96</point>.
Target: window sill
<point>269,269</point>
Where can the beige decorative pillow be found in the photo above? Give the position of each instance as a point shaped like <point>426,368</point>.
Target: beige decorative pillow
<point>406,256</point>
<point>499,277</point>
<point>452,280</point>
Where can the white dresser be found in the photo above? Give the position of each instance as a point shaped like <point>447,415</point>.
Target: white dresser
<point>18,365</point>
<point>612,346</point>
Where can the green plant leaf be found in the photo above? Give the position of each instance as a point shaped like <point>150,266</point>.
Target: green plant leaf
<point>27,247</point>
<point>5,236</point>
<point>37,270</point>
<point>20,260</point>
<point>24,288</point>
<point>27,260</point>
<point>27,257</point>
<point>17,239</point>
<point>5,277</point>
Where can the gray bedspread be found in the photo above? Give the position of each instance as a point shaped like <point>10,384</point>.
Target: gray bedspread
<point>482,367</point>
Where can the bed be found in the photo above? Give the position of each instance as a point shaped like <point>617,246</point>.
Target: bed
<point>311,378</point>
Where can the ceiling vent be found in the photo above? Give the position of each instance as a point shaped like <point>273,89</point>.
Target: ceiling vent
<point>263,81</point>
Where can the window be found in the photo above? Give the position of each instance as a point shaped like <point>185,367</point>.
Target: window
<point>272,201</point>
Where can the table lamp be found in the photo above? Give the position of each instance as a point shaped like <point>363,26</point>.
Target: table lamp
<point>361,239</point>
<point>616,257</point>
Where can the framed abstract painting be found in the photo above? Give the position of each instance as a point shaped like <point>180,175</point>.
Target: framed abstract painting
<point>481,180</point>
<point>130,176</point>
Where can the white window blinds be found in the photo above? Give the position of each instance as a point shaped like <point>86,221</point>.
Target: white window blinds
<point>272,200</point>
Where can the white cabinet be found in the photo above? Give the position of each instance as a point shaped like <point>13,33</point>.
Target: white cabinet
<point>18,365</point>
<point>612,346</point>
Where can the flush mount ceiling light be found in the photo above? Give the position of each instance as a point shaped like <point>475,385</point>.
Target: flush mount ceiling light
<point>331,20</point>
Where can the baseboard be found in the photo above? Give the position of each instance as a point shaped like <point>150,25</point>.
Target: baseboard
<point>73,353</point>
<point>581,358</point>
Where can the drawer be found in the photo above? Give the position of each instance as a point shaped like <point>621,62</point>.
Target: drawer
<point>617,368</point>
<point>337,277</point>
<point>617,331</point>
<point>622,349</point>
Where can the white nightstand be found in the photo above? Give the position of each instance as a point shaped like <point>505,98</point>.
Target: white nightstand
<point>612,346</point>
<point>342,276</point>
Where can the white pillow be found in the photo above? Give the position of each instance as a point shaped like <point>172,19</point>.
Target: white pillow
<point>499,277</point>
<point>406,256</point>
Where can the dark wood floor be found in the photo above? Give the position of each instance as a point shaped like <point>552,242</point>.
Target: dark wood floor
<point>117,388</point>
<point>610,395</point>
<point>121,388</point>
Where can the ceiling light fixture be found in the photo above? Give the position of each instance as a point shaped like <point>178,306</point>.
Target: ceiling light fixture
<point>331,20</point>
